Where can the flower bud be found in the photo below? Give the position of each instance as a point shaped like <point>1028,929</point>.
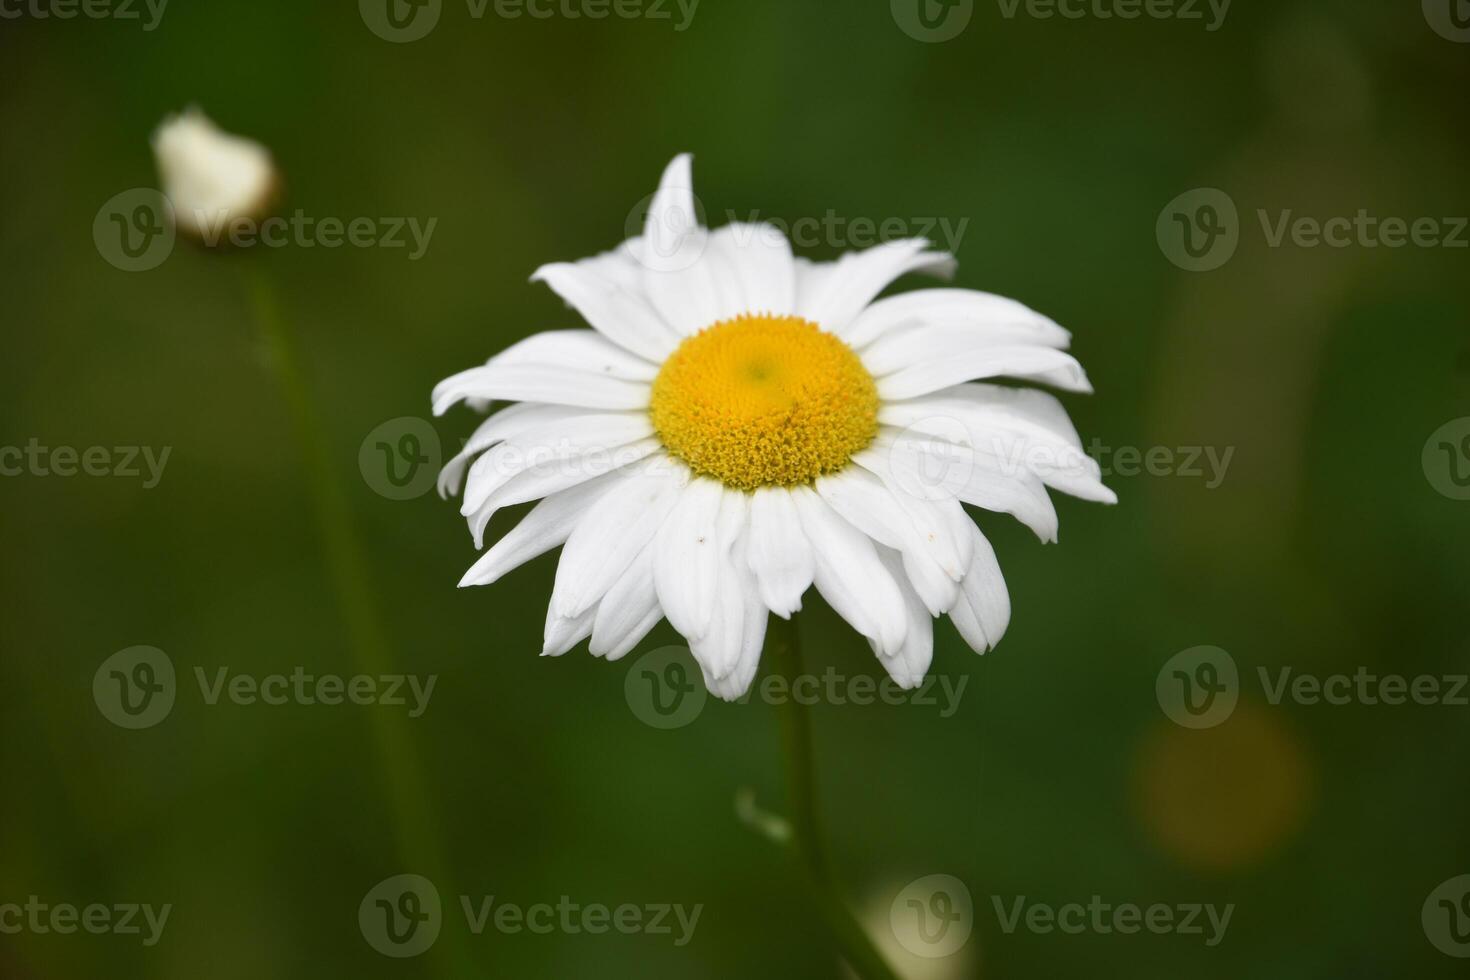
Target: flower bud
<point>211,177</point>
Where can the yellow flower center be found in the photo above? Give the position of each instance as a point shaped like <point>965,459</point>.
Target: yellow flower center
<point>764,400</point>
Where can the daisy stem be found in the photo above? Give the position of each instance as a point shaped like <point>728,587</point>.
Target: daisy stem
<point>402,777</point>
<point>783,651</point>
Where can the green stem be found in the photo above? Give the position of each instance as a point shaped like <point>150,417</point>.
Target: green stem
<point>403,785</point>
<point>783,654</point>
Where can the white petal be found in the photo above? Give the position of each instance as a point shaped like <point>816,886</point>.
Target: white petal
<point>547,526</point>
<point>937,469</point>
<point>1028,410</point>
<point>862,499</point>
<point>672,234</point>
<point>931,523</point>
<point>849,574</point>
<point>692,298</point>
<point>616,529</point>
<point>686,558</point>
<point>718,648</point>
<point>509,421</point>
<point>628,612</point>
<point>555,445</point>
<point>752,644</point>
<point>618,312</point>
<point>1015,428</point>
<point>908,665</point>
<point>541,481</point>
<point>734,684</point>
<point>551,384</point>
<point>984,609</point>
<point>620,265</point>
<point>982,317</point>
<point>777,551</point>
<point>563,632</point>
<point>680,277</point>
<point>930,370</point>
<point>917,343</point>
<point>835,295</point>
<point>741,269</point>
<point>762,273</point>
<point>580,350</point>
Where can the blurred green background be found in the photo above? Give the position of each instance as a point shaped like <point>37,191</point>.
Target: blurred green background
<point>1326,547</point>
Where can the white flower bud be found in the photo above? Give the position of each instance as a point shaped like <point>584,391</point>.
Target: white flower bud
<point>212,177</point>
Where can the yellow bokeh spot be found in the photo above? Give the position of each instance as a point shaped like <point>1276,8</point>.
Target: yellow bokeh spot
<point>1225,798</point>
<point>764,401</point>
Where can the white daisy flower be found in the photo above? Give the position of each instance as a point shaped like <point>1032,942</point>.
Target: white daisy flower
<point>740,425</point>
